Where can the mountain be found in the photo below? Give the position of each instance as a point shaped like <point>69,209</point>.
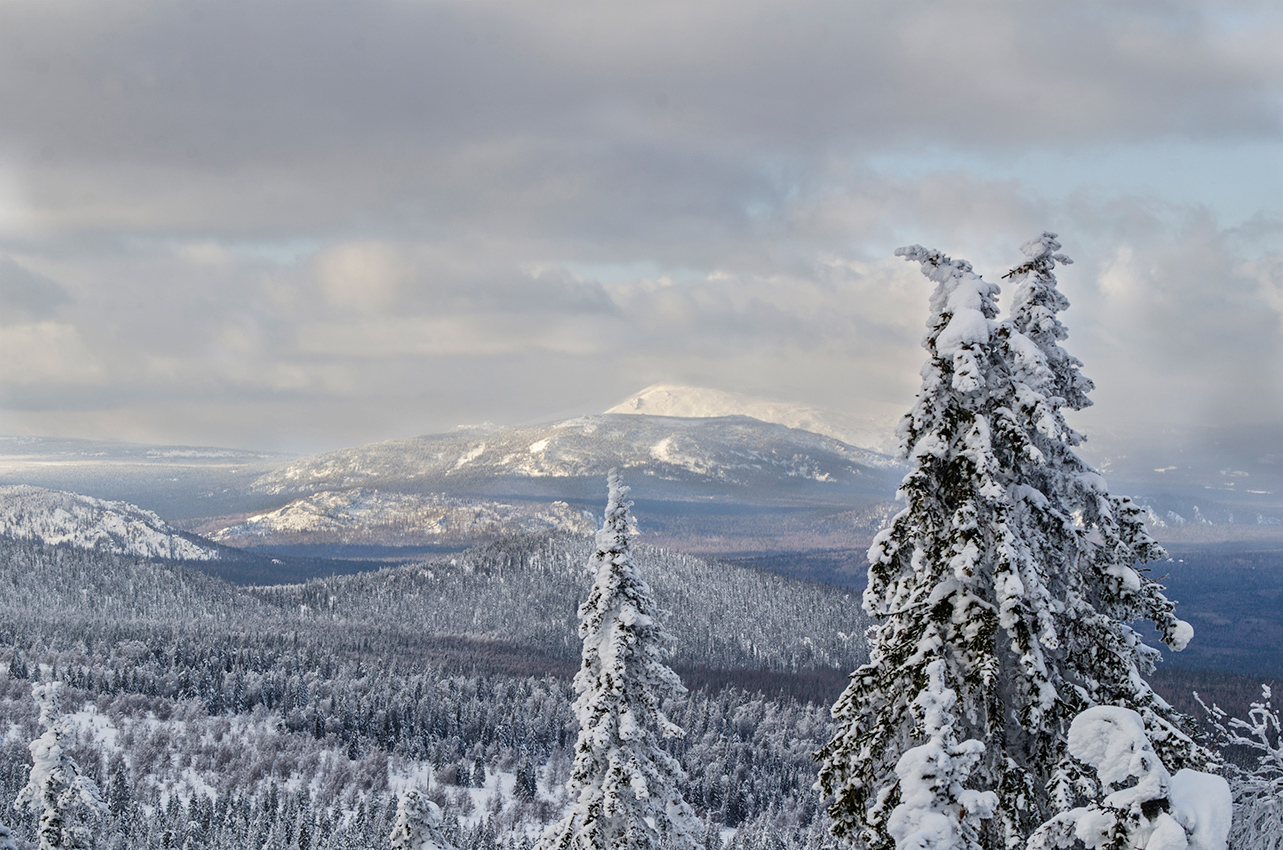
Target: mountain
<point>518,596</point>
<point>875,430</point>
<point>56,517</point>
<point>664,457</point>
<point>371,517</point>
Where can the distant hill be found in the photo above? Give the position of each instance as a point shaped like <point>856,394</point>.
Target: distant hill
<point>177,482</point>
<point>521,593</point>
<point>55,516</point>
<point>662,457</point>
<point>526,590</point>
<point>371,517</point>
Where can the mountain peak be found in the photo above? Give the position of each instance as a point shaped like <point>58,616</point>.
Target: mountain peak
<point>873,430</point>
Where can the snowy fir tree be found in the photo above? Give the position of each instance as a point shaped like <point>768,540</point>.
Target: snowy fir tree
<point>1008,574</point>
<point>623,784</point>
<point>935,810</point>
<point>6,839</point>
<point>66,800</point>
<point>1080,547</point>
<point>418,824</point>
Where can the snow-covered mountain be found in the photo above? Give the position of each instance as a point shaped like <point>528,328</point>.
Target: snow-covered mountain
<point>875,430</point>
<point>361,516</point>
<point>55,516</point>
<point>733,454</point>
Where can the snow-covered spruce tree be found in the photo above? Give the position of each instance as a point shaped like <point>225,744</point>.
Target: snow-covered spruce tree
<point>1077,586</point>
<point>418,824</point>
<point>66,800</point>
<point>623,784</point>
<point>970,579</point>
<point>935,810</point>
<point>7,841</point>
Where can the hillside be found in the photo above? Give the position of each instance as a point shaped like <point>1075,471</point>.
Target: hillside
<point>55,516</point>
<point>371,517</point>
<point>662,456</point>
<point>526,591</point>
<point>221,714</point>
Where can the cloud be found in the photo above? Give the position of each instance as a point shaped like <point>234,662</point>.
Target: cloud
<point>361,276</point>
<point>340,218</point>
<point>225,117</point>
<point>46,353</point>
<point>25,294</point>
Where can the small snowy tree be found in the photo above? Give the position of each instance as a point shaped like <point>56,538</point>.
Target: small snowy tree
<point>1010,571</point>
<point>66,800</point>
<point>418,824</point>
<point>1137,803</point>
<point>623,784</point>
<point>7,841</point>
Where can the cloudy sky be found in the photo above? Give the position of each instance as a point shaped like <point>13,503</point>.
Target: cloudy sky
<point>302,226</point>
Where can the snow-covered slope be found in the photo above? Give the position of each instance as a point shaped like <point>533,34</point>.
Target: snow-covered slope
<point>735,453</point>
<point>55,516</point>
<point>873,431</point>
<point>360,516</point>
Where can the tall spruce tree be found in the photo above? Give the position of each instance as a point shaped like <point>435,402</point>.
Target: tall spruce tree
<point>1008,576</point>
<point>623,783</point>
<point>1083,548</point>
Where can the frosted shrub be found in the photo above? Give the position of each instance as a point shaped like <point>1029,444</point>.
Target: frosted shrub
<point>1258,792</point>
<point>1137,803</point>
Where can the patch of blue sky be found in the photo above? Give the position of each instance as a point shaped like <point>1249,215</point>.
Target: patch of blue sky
<point>1238,180</point>
<point>630,272</point>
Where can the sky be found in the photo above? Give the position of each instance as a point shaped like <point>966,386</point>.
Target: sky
<point>299,226</point>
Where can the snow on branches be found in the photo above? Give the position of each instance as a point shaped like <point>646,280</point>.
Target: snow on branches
<point>1009,576</point>
<point>936,812</point>
<point>1258,792</point>
<point>623,783</point>
<point>418,824</point>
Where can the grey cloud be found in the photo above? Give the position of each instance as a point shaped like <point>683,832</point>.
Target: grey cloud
<point>355,221</point>
<point>440,112</point>
<point>25,294</point>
